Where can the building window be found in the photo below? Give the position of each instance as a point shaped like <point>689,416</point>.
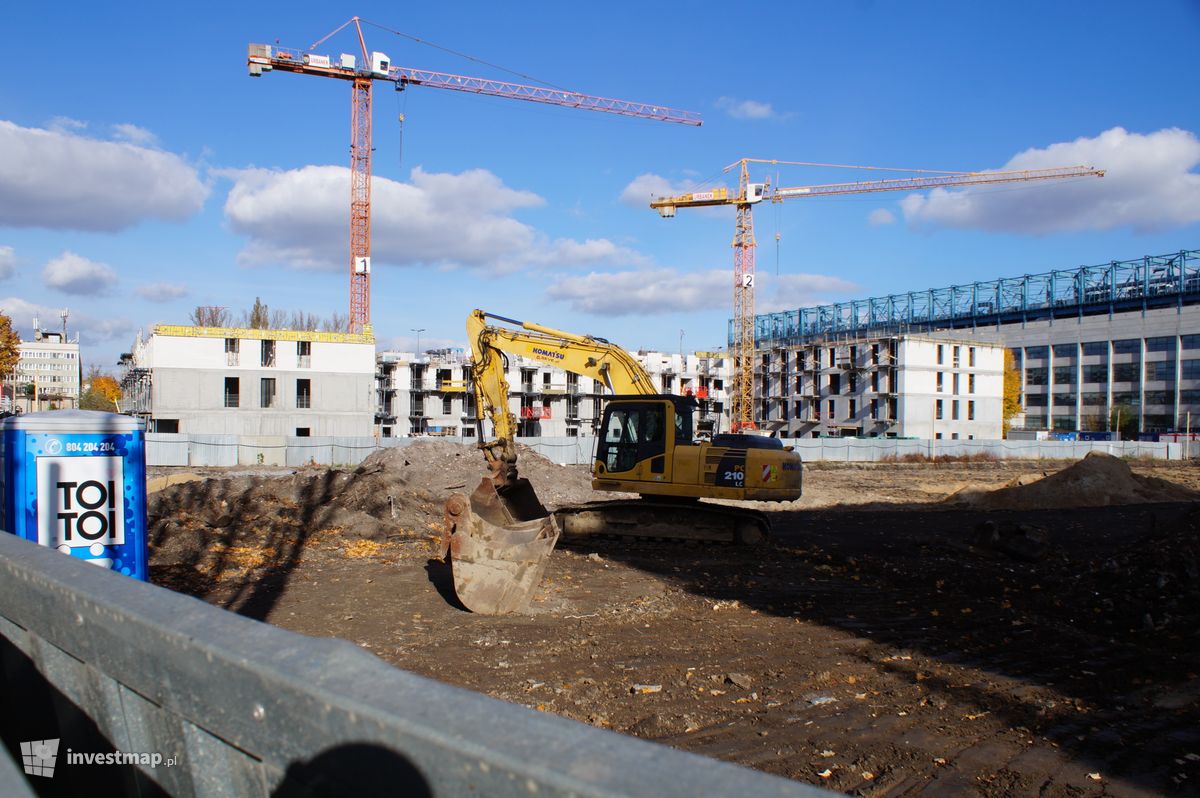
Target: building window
<point>1127,346</point>
<point>165,425</point>
<point>231,351</point>
<point>970,383</point>
<point>1038,352</point>
<point>954,382</point>
<point>853,382</point>
<point>940,381</point>
<point>1064,375</point>
<point>266,392</point>
<point>937,409</point>
<point>971,357</point>
<point>954,410</point>
<point>832,409</point>
<point>1191,369</point>
<point>304,354</point>
<point>941,354</point>
<point>232,392</point>
<point>304,432</point>
<point>1160,370</point>
<point>835,383</point>
<point>875,409</point>
<point>957,363</point>
<point>832,357</point>
<point>1092,348</point>
<point>971,410</point>
<point>875,381</point>
<point>1064,351</point>
<point>853,408</point>
<point>268,354</point>
<point>447,406</point>
<point>303,394</point>
<point>1163,344</point>
<point>1125,372</point>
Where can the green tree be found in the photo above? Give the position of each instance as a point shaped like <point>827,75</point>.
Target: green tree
<point>259,317</point>
<point>1125,419</point>
<point>1012,389</point>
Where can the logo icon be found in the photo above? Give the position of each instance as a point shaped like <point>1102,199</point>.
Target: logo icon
<point>39,757</point>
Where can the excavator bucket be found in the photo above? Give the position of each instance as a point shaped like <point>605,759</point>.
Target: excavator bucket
<point>497,542</point>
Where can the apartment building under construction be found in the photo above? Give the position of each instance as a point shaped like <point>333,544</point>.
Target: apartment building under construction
<point>430,394</point>
<point>925,386</point>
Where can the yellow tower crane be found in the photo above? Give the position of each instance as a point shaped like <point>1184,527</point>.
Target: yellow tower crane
<point>748,194</point>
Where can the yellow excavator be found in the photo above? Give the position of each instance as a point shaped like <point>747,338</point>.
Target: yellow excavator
<point>497,539</point>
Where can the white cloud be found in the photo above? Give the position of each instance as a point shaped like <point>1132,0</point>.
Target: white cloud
<point>75,274</point>
<point>65,124</point>
<point>644,187</point>
<point>299,219</point>
<point>1150,184</point>
<point>90,328</point>
<point>8,263</point>
<point>745,109</point>
<point>135,135</point>
<point>162,292</point>
<point>881,216</point>
<point>666,290</point>
<point>57,179</point>
<point>791,291</point>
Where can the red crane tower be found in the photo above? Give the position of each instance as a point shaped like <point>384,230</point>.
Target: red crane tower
<point>377,66</point>
<point>742,348</point>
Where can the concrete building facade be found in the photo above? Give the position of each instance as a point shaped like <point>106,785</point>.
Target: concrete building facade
<point>897,386</point>
<point>50,365</point>
<point>1092,344</point>
<point>232,381</point>
<point>1076,374</point>
<point>430,394</point>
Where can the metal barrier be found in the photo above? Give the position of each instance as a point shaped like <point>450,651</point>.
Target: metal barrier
<point>106,665</point>
<point>228,450</point>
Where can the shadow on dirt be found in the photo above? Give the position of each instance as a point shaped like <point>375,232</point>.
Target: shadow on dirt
<point>1105,613</point>
<point>226,537</point>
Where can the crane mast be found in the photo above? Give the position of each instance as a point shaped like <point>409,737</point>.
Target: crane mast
<point>263,58</point>
<point>748,194</point>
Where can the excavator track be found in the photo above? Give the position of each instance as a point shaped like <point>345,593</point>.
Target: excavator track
<point>682,520</point>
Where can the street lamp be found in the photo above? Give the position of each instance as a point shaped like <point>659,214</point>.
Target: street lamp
<point>418,331</point>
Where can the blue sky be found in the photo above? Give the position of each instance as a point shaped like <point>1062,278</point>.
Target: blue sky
<point>143,173</point>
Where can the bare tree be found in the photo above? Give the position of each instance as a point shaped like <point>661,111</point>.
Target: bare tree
<point>304,321</point>
<point>279,320</point>
<point>209,316</point>
<point>337,322</point>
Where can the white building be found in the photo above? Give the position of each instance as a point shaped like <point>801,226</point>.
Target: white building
<point>428,395</point>
<point>231,381</point>
<point>906,386</point>
<point>50,364</point>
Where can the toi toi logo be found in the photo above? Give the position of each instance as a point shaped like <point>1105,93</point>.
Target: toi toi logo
<point>88,511</point>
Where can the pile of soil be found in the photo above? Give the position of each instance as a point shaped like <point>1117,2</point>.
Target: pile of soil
<point>200,528</point>
<point>1098,480</point>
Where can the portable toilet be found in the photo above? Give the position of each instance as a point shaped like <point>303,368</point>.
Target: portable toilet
<point>75,480</point>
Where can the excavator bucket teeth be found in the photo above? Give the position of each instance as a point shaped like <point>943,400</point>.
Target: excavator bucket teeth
<point>497,543</point>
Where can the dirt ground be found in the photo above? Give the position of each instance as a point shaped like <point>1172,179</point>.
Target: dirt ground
<point>910,629</point>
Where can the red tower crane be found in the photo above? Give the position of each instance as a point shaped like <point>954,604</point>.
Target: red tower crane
<point>377,66</point>
<point>748,194</point>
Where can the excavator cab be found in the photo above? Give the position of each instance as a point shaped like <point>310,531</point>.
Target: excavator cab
<point>639,435</point>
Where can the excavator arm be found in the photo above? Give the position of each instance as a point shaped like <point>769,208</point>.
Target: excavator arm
<point>585,355</point>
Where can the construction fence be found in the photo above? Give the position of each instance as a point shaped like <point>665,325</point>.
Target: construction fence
<point>170,449</point>
<point>112,686</point>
